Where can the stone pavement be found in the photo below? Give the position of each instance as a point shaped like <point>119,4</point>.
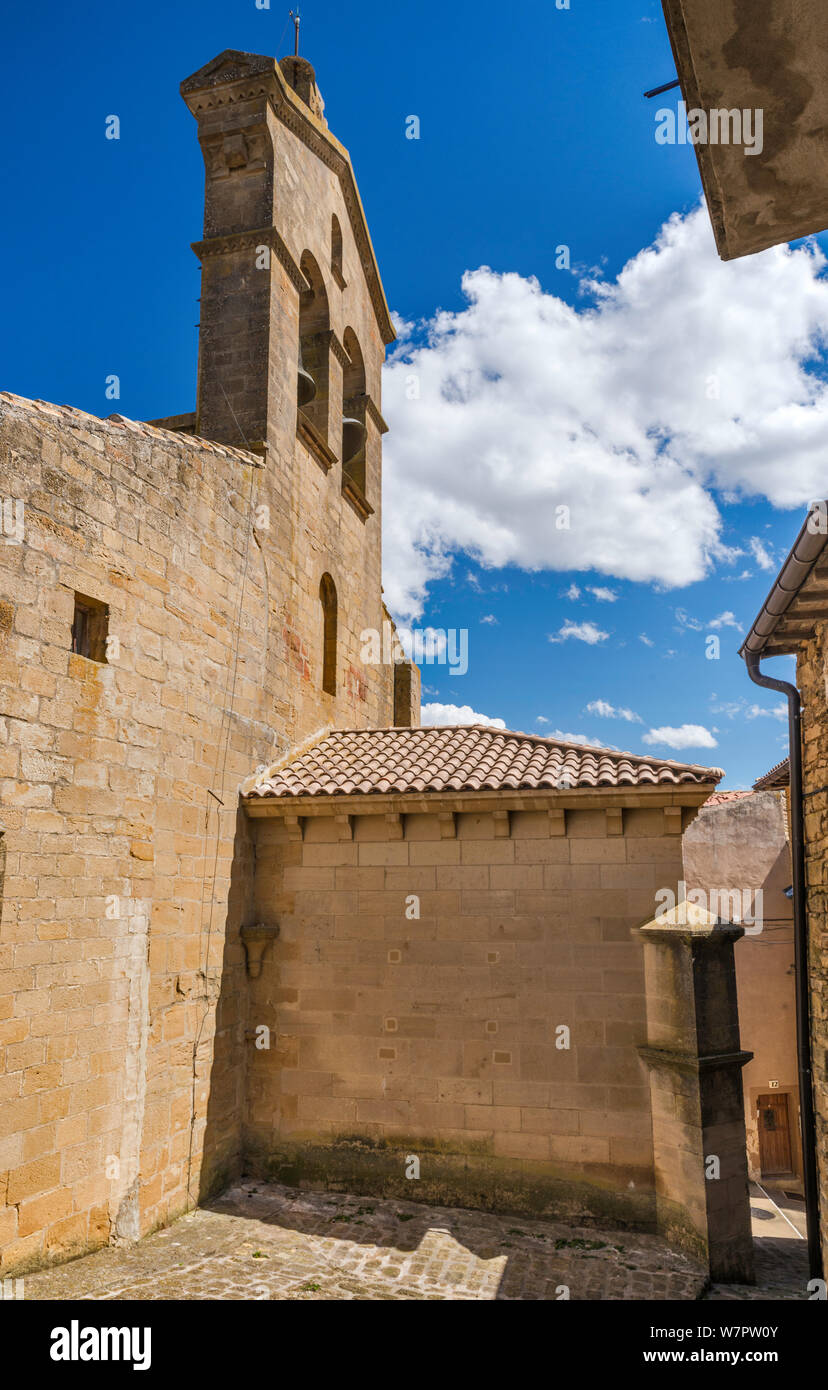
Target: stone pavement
<point>781,1251</point>
<point>265,1241</point>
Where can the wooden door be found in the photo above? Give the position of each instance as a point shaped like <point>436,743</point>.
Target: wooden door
<point>774,1134</point>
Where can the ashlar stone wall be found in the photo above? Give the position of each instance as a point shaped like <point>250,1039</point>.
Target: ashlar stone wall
<point>459,983</point>
<point>122,988</point>
<point>812,679</point>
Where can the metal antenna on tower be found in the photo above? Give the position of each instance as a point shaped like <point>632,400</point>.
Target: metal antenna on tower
<point>295,16</point>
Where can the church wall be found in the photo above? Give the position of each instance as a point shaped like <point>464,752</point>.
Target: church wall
<point>122,987</point>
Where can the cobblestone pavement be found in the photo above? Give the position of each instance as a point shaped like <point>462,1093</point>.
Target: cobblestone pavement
<point>781,1251</point>
<point>265,1241</point>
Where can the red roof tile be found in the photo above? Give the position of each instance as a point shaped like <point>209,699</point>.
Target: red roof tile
<point>719,798</point>
<point>466,758</point>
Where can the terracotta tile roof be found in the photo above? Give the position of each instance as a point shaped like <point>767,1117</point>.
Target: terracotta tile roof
<point>779,776</point>
<point>718,798</point>
<point>466,758</point>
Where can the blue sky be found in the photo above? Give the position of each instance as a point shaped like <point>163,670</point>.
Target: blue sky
<point>566,388</point>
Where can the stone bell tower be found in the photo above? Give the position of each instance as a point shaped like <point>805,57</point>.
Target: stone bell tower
<point>294,326</point>
<point>294,322</point>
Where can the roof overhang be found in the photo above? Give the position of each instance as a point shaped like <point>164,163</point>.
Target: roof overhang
<point>751,55</point>
<point>777,779</point>
<point>799,597</point>
<point>433,803</point>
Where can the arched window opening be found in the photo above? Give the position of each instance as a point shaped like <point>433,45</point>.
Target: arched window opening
<point>353,411</point>
<point>336,252</point>
<point>314,346</point>
<point>327,597</point>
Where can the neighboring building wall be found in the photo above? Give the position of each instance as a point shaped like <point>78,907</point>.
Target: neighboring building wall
<point>436,1036</point>
<point>766,65</point>
<point>812,678</point>
<point>122,1022</point>
<point>741,846</point>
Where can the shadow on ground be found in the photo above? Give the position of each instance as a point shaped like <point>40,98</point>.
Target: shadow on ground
<point>266,1241</point>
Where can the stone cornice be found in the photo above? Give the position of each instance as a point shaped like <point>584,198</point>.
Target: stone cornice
<point>371,409</point>
<point>375,415</point>
<point>307,432</point>
<point>352,403</point>
<point>689,1062</point>
<point>357,499</point>
<point>248,241</point>
<point>578,799</point>
<point>338,350</point>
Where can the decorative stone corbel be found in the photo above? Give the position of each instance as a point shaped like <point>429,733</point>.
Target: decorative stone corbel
<point>448,825</point>
<point>256,939</point>
<point>502,824</point>
<point>557,822</point>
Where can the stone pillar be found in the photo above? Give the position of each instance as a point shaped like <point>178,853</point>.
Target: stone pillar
<point>695,1060</point>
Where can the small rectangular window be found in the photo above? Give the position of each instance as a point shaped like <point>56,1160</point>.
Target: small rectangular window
<point>90,628</point>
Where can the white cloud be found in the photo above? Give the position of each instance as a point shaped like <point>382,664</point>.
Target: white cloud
<point>734,708</point>
<point>685,620</point>
<point>572,593</point>
<point>582,632</point>
<point>604,595</point>
<point>541,719</point>
<point>442,715</point>
<point>518,404</point>
<point>578,738</point>
<point>607,711</point>
<point>648,641</point>
<point>402,327</point>
<point>779,712</point>
<point>490,619</point>
<point>686,736</point>
<point>762,554</point>
<point>726,619</point>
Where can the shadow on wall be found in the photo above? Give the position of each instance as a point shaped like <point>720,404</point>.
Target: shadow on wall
<point>215,1154</point>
